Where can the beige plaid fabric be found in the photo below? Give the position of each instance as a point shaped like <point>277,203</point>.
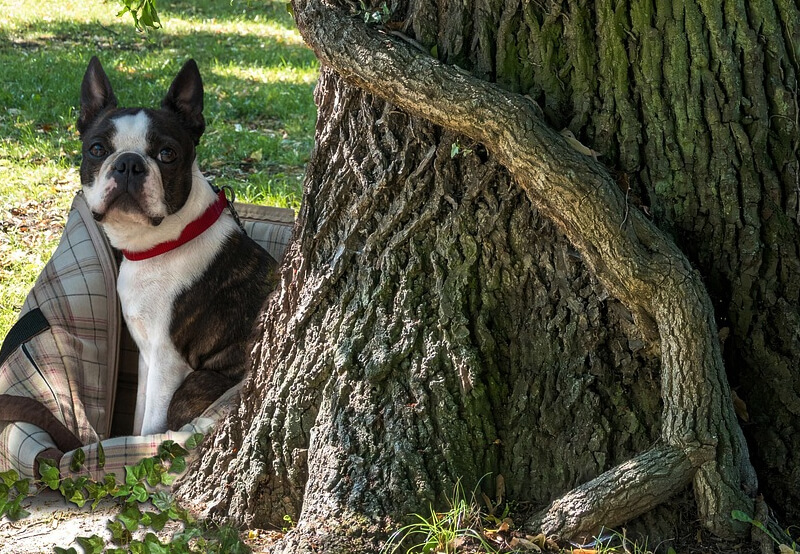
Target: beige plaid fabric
<point>72,368</point>
<point>128,450</point>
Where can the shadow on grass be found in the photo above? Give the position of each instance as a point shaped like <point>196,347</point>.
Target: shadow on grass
<point>224,11</point>
<point>44,65</point>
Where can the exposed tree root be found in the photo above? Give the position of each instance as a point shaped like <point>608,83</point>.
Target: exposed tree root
<point>635,486</point>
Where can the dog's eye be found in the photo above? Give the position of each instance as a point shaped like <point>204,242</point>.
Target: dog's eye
<point>97,150</point>
<point>167,155</point>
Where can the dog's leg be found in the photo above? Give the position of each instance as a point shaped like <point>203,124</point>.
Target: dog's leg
<point>197,392</point>
<point>166,372</point>
<point>141,388</point>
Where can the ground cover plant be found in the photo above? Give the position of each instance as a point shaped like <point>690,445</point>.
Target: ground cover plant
<point>258,77</point>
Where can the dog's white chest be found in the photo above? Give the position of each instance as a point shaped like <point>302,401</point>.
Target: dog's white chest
<point>148,290</point>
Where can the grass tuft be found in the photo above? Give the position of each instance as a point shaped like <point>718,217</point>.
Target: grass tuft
<point>442,532</point>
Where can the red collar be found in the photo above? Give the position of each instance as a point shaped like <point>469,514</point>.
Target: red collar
<point>192,230</point>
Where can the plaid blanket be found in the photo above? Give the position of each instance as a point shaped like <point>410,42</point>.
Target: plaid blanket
<point>60,382</point>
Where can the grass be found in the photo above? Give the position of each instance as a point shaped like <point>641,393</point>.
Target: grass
<point>467,528</point>
<point>446,532</point>
<point>258,77</point>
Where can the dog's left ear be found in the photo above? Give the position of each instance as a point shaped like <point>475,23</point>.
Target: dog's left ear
<point>185,98</point>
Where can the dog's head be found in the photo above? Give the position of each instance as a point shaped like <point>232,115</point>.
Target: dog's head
<point>138,163</point>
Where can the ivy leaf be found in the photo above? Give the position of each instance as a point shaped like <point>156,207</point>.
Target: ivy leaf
<point>165,449</point>
<point>139,493</point>
<point>161,500</point>
<point>134,474</point>
<point>101,456</point>
<point>49,472</point>
<point>152,471</point>
<point>92,545</point>
<point>130,517</point>
<point>70,550</point>
<point>123,491</point>
<point>78,459</point>
<point>119,533</point>
<point>23,486</point>
<point>14,510</point>
<point>96,491</point>
<point>158,520</point>
<point>178,465</point>
<point>9,477</point>
<point>153,545</point>
<point>194,441</point>
<point>77,497</point>
<point>167,479</point>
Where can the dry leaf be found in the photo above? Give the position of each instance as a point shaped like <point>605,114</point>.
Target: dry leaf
<point>740,407</point>
<point>577,145</point>
<point>504,526</point>
<point>500,485</point>
<point>539,539</point>
<point>519,543</point>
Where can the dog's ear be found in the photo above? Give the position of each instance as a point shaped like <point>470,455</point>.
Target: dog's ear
<point>96,94</point>
<point>185,98</point>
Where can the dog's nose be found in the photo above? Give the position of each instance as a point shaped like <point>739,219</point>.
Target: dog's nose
<point>130,171</point>
<point>131,164</point>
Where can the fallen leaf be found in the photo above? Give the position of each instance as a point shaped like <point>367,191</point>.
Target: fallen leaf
<point>504,526</point>
<point>539,539</point>
<point>501,489</point>
<point>740,407</point>
<point>577,145</point>
<point>518,543</point>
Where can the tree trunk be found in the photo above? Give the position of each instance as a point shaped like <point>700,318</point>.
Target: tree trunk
<point>467,295</point>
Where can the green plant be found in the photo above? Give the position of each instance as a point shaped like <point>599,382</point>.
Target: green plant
<point>456,149</point>
<point>143,12</point>
<point>380,16</point>
<point>289,523</point>
<point>786,544</point>
<point>143,485</point>
<point>442,531</point>
<point>13,491</point>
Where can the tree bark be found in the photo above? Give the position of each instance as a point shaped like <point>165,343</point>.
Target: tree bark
<point>433,325</point>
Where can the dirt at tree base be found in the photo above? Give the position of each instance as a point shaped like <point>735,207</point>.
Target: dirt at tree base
<point>55,522</point>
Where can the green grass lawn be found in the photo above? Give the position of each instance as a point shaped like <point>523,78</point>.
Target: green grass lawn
<point>258,77</point>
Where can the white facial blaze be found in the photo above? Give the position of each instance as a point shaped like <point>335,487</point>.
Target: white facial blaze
<point>131,135</point>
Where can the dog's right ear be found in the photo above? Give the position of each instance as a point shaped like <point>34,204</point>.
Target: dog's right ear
<point>96,94</point>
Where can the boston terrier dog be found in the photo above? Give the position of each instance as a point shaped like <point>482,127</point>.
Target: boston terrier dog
<point>191,282</point>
